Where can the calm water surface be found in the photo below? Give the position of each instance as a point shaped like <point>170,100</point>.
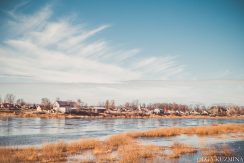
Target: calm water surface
<point>35,131</point>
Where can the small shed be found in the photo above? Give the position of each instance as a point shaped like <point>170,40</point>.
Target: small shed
<point>98,109</point>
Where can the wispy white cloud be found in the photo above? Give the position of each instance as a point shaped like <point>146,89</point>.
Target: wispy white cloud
<point>63,51</point>
<point>21,24</point>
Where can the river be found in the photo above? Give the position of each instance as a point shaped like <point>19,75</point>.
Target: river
<point>36,131</point>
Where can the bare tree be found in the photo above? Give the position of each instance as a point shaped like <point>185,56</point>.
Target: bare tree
<point>46,103</point>
<point>79,103</point>
<point>9,98</point>
<point>1,99</point>
<point>107,104</point>
<point>110,105</point>
<point>20,102</point>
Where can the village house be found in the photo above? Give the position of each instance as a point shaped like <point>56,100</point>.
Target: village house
<point>98,109</point>
<point>7,106</point>
<point>232,111</point>
<point>216,110</point>
<point>29,106</point>
<point>194,112</point>
<point>204,112</point>
<point>158,111</point>
<point>41,108</point>
<point>170,112</point>
<point>179,113</point>
<point>64,106</point>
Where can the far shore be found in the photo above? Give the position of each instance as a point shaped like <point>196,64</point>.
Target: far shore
<point>35,114</point>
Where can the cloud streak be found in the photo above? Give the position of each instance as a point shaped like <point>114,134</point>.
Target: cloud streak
<point>66,51</point>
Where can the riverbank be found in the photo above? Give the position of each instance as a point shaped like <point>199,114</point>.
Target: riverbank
<point>122,148</point>
<point>35,114</point>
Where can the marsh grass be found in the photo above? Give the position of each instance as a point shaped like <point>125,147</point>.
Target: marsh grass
<point>126,147</point>
<point>179,149</point>
<point>54,152</point>
<point>82,144</point>
<point>102,148</point>
<point>226,150</point>
<point>106,158</point>
<point>215,152</point>
<point>199,130</point>
<point>8,155</point>
<point>12,155</point>
<point>120,139</point>
<point>135,152</point>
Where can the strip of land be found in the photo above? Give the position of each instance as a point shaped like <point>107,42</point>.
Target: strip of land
<point>35,114</point>
<point>108,109</point>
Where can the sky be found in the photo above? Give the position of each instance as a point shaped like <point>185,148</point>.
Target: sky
<point>102,43</point>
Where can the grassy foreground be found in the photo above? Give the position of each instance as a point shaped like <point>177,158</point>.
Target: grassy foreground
<point>122,148</point>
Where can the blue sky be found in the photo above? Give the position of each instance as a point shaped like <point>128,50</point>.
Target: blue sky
<point>204,38</point>
<point>93,41</point>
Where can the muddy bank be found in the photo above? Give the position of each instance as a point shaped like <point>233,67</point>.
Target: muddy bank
<point>35,114</point>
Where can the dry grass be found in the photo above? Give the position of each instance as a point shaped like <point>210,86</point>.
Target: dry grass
<point>28,154</point>
<point>199,130</point>
<point>106,158</point>
<point>135,153</point>
<point>102,148</point>
<point>161,132</point>
<point>121,139</point>
<point>12,155</point>
<point>87,161</point>
<point>82,144</point>
<point>209,153</point>
<point>226,150</point>
<point>214,152</point>
<point>179,149</point>
<point>125,145</point>
<point>54,152</point>
<point>5,154</point>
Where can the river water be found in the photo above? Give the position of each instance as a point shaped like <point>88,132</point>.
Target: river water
<point>36,131</point>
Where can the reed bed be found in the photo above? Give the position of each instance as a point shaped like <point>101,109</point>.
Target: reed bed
<point>102,149</point>
<point>136,153</point>
<point>82,144</point>
<point>106,158</point>
<point>199,130</point>
<point>179,149</point>
<point>120,139</point>
<point>12,155</point>
<point>125,146</point>
<point>212,153</point>
<point>54,152</point>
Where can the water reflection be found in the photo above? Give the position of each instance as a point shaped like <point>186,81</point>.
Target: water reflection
<point>23,131</point>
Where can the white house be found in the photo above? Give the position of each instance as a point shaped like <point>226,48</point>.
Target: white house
<point>64,106</point>
<point>194,112</point>
<point>39,108</point>
<point>158,111</point>
<point>205,112</point>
